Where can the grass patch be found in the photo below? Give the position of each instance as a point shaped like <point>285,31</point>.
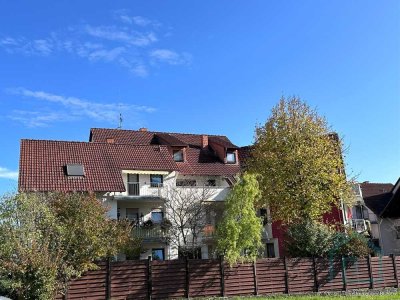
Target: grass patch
<point>324,297</point>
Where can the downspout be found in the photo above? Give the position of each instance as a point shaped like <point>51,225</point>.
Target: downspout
<point>380,235</point>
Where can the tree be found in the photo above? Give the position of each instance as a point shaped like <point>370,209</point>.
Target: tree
<point>311,238</point>
<point>187,209</point>
<point>239,232</point>
<point>47,239</point>
<point>308,238</point>
<point>300,163</point>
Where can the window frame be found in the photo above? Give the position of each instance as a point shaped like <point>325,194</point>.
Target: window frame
<point>156,184</point>
<point>157,249</point>
<point>186,181</point>
<point>268,252</point>
<point>178,151</point>
<point>156,211</point>
<point>234,157</point>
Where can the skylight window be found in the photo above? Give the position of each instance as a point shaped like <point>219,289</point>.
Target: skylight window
<point>75,170</point>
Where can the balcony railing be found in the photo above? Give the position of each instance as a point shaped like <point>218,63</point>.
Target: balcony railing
<point>140,189</point>
<point>154,232</point>
<point>159,190</point>
<point>359,225</point>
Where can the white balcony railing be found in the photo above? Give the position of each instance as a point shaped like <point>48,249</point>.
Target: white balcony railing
<point>157,190</point>
<point>359,225</point>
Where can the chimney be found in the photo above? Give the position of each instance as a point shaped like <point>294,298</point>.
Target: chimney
<point>204,141</point>
<point>143,129</point>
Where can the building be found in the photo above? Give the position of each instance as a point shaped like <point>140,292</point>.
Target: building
<point>134,172</point>
<point>377,215</point>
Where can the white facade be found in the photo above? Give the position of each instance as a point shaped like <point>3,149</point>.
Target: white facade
<point>144,201</point>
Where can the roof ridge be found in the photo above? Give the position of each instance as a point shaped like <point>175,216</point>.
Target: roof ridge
<point>217,135</point>
<point>94,143</point>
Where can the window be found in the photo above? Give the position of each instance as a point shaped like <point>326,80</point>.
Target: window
<point>358,212</point>
<point>189,252</point>
<point>133,184</point>
<point>156,180</point>
<point>185,182</point>
<point>397,228</point>
<point>211,182</point>
<point>270,250</point>
<point>75,170</point>
<point>132,214</point>
<point>157,216</point>
<point>157,254</point>
<point>230,157</point>
<point>178,155</point>
<point>110,141</point>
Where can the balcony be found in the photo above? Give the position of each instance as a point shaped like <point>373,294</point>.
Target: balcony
<point>142,189</point>
<point>216,193</point>
<point>150,234</point>
<point>359,225</point>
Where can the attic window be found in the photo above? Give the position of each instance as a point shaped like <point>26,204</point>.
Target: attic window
<point>110,141</point>
<point>75,170</point>
<point>178,155</point>
<point>230,157</point>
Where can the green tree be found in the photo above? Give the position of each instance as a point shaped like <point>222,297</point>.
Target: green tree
<point>300,163</point>
<point>308,238</point>
<point>239,232</point>
<point>47,239</point>
<point>311,238</point>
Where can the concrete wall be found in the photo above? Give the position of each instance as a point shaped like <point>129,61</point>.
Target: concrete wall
<point>388,239</point>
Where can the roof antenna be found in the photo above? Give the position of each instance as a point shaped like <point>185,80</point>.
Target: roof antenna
<point>120,121</point>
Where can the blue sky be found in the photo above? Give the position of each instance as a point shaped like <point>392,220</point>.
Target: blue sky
<point>213,67</point>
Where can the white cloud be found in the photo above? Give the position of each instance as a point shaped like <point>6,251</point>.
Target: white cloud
<point>170,57</point>
<point>8,174</point>
<point>72,108</point>
<point>113,33</point>
<point>37,119</point>
<point>127,43</point>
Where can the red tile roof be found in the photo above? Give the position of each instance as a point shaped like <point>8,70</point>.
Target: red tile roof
<point>42,164</point>
<point>138,137</point>
<point>199,161</point>
<point>371,189</point>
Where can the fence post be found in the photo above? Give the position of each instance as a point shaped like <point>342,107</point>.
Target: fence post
<point>371,276</point>
<point>187,277</point>
<point>286,275</point>
<point>255,277</point>
<point>222,273</point>
<point>316,287</point>
<point>344,273</point>
<point>395,270</point>
<point>108,278</point>
<point>149,278</point>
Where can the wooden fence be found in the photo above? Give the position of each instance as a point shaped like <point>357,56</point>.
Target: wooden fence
<point>146,279</point>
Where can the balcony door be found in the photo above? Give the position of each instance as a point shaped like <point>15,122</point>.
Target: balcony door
<point>132,214</point>
<point>133,185</point>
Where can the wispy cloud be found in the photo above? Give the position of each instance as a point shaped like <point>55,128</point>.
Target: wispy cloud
<point>8,174</point>
<point>130,42</point>
<point>170,57</point>
<point>69,108</point>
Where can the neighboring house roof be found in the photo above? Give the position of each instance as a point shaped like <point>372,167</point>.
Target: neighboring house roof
<point>382,198</point>
<point>369,189</point>
<point>392,209</point>
<point>42,164</point>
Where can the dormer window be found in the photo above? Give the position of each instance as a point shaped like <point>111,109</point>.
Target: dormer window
<point>74,170</point>
<point>230,157</point>
<point>178,155</point>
